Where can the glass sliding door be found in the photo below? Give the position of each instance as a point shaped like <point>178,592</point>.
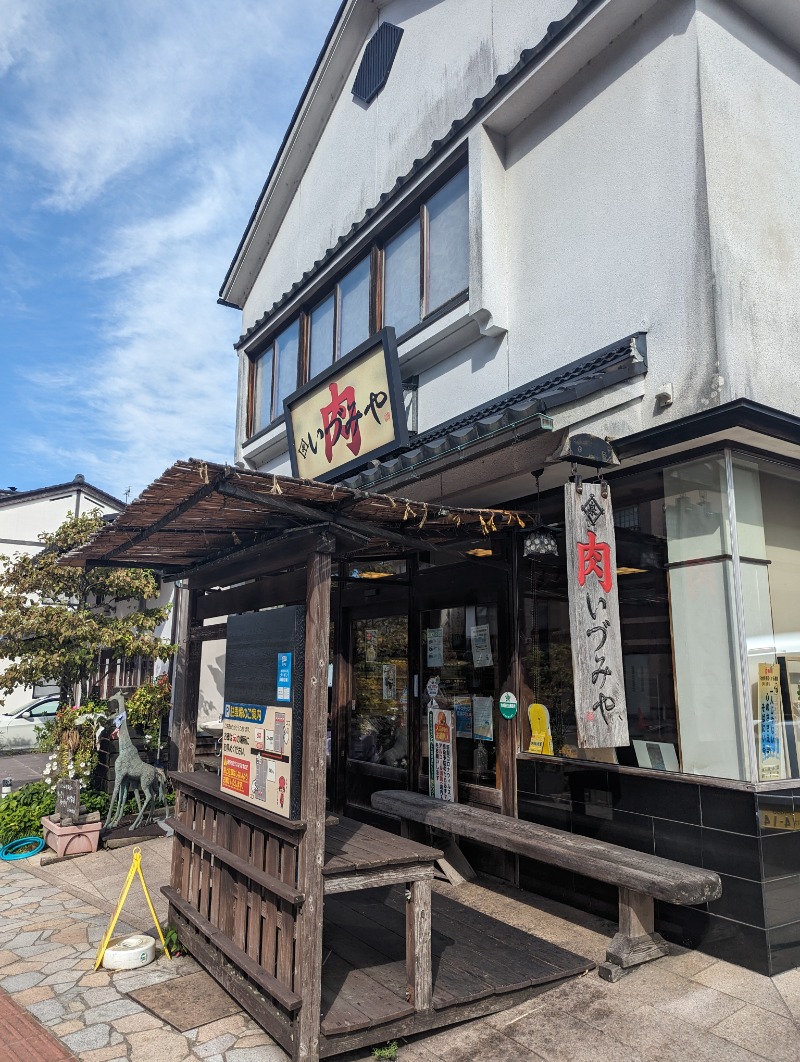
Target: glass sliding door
<point>378,741</point>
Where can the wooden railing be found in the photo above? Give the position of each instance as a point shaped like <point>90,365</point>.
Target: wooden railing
<point>235,900</point>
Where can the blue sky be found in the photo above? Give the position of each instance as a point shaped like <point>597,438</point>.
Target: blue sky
<point>135,137</point>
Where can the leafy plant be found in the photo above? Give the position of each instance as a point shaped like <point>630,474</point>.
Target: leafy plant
<point>21,812</point>
<point>148,706</point>
<point>388,1052</point>
<point>172,940</point>
<point>55,619</point>
<point>70,738</point>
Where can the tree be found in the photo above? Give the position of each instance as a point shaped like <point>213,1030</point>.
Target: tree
<point>55,619</point>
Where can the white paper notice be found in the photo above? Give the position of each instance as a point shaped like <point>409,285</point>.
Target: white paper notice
<point>481,646</point>
<point>435,656</point>
<point>482,728</point>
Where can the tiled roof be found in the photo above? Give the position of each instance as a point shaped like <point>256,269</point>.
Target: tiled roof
<point>611,365</point>
<point>10,497</point>
<point>555,31</point>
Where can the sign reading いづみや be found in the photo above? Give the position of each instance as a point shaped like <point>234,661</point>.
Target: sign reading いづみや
<point>350,414</point>
<point>600,708</point>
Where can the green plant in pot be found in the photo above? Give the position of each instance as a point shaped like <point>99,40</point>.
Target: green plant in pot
<point>148,707</point>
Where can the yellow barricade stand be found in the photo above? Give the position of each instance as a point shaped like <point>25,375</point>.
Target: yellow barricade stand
<point>136,868</point>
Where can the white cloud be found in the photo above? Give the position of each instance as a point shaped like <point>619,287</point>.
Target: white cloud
<point>151,127</point>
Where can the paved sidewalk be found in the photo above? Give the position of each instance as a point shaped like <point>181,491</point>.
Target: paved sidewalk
<point>23,767</point>
<point>684,1006</point>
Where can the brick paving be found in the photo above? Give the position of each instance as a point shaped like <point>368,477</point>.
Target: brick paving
<point>687,1005</point>
<point>22,1039</point>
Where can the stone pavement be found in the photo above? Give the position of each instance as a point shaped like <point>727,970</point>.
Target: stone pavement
<point>684,1006</point>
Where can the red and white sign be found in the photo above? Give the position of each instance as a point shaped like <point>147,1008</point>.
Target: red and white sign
<point>600,707</point>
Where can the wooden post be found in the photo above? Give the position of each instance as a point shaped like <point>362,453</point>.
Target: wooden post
<point>187,687</point>
<point>635,942</point>
<point>419,971</point>
<point>308,968</point>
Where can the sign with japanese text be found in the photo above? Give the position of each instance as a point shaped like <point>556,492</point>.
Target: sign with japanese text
<point>256,755</point>
<point>770,717</point>
<point>441,754</point>
<point>350,414</point>
<point>600,707</point>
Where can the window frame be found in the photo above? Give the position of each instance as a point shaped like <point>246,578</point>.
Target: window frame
<point>375,253</point>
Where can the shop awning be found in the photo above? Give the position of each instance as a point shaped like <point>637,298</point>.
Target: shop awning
<point>198,512</point>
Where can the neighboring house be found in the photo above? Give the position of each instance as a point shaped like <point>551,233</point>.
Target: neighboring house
<point>24,515</point>
<point>578,218</point>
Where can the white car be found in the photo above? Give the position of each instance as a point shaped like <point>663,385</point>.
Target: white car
<point>18,728</point>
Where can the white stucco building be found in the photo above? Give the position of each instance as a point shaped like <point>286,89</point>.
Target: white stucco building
<point>577,218</point>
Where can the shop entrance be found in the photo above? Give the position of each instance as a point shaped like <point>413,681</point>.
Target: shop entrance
<point>378,731</point>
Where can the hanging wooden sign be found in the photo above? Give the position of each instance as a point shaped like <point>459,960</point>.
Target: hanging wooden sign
<point>600,708</point>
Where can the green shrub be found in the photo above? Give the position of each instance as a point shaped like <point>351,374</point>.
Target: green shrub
<point>21,812</point>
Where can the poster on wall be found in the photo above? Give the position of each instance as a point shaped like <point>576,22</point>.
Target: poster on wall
<point>481,646</point>
<point>462,706</point>
<point>256,755</point>
<point>770,717</point>
<point>435,647</point>
<point>482,723</point>
<point>389,682</point>
<point>441,754</point>
<point>600,707</point>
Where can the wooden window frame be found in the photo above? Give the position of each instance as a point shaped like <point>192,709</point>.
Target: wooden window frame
<point>377,265</point>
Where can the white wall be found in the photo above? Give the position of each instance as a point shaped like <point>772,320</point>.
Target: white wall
<point>450,53</point>
<point>751,103</point>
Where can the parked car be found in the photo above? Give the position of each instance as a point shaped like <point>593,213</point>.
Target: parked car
<point>18,728</point>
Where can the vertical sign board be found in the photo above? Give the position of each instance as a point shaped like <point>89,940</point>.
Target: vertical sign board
<point>262,736</point>
<point>441,754</point>
<point>770,717</point>
<point>600,707</point>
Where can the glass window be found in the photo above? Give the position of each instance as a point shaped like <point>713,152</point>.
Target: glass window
<point>401,302</point>
<point>321,338</point>
<point>287,348</point>
<point>448,241</point>
<point>262,399</point>
<point>460,674</point>
<point>680,643</point>
<point>354,308</point>
<point>767,499</point>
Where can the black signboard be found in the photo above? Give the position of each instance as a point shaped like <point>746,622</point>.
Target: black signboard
<point>68,799</point>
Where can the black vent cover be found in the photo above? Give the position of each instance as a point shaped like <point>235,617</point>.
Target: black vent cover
<point>377,62</point>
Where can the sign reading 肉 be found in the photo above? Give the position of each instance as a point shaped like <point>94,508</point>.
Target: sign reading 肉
<point>441,754</point>
<point>350,414</point>
<point>256,755</point>
<point>600,707</point>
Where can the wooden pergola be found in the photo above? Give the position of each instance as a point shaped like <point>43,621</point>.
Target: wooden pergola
<point>243,878</point>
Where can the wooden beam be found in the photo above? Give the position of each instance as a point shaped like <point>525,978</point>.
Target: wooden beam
<point>367,531</point>
<point>187,686</point>
<point>173,514</point>
<point>308,959</point>
<point>288,588</point>
<point>212,633</point>
<point>283,551</point>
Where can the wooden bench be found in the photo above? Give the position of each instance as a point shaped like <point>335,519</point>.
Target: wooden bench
<point>640,878</point>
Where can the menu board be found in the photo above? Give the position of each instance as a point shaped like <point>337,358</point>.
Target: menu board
<point>256,755</point>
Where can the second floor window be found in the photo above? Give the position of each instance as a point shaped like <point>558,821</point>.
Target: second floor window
<point>274,376</point>
<point>404,278</point>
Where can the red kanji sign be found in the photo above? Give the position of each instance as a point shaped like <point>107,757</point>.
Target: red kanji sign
<point>594,558</point>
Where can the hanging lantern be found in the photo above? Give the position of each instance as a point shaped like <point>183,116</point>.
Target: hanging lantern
<point>541,542</point>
